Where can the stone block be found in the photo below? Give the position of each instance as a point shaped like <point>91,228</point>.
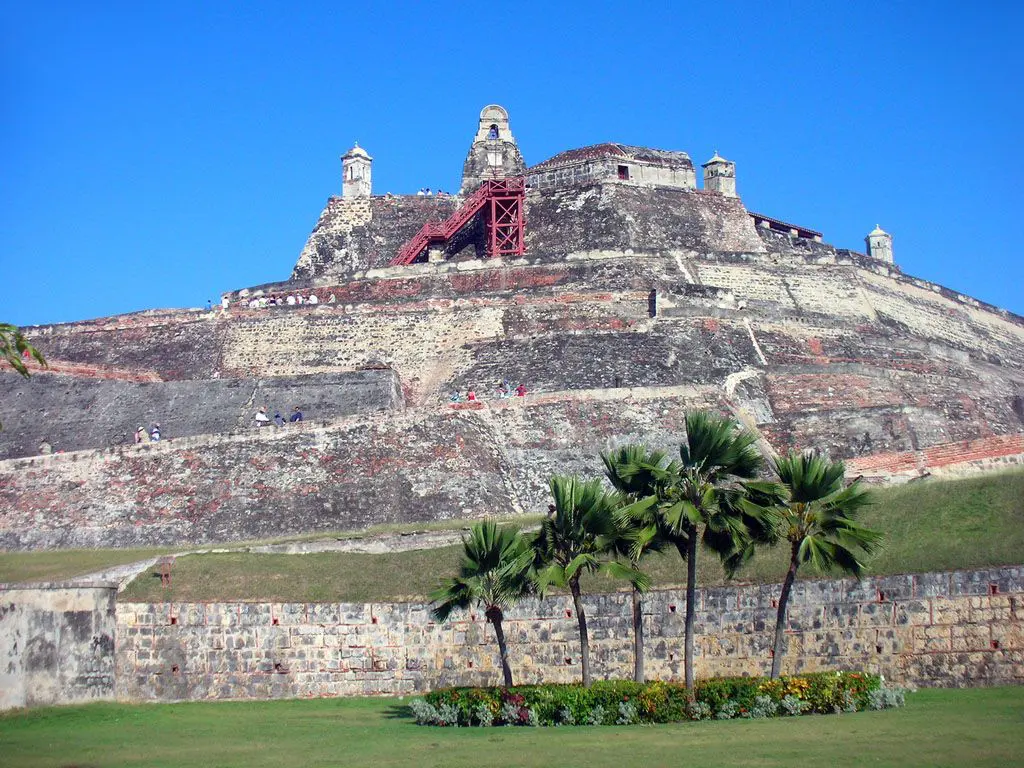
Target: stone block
<point>970,637</point>
<point>956,610</point>
<point>931,585</point>
<point>934,638</point>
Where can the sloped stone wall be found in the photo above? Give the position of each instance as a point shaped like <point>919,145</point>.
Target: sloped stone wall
<point>78,412</point>
<point>942,629</point>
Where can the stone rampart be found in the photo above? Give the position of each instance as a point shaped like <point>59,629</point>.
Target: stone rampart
<point>464,460</point>
<point>943,629</point>
<point>835,357</point>
<point>56,644</point>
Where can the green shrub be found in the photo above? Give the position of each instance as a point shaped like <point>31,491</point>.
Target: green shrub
<point>609,702</point>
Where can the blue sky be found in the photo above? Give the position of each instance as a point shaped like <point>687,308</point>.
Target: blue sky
<point>158,154</point>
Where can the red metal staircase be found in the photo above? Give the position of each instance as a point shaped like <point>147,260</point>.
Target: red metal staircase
<point>500,200</point>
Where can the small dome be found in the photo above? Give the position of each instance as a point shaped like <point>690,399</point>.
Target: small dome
<point>877,231</point>
<point>716,159</point>
<point>357,151</point>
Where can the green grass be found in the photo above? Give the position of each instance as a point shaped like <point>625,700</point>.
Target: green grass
<point>929,526</point>
<point>20,567</point>
<point>61,564</point>
<point>975,727</point>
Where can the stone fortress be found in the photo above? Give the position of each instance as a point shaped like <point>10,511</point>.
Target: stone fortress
<point>617,290</point>
<point>621,295</point>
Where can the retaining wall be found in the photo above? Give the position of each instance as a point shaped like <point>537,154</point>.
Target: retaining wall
<point>942,629</point>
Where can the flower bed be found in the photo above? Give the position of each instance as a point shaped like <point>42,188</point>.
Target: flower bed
<point>620,702</point>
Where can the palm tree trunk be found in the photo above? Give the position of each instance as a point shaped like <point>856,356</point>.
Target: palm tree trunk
<point>780,619</point>
<point>638,637</point>
<point>495,618</point>
<point>691,600</point>
<point>581,618</point>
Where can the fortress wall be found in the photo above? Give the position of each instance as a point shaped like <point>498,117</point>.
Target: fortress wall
<point>956,629</point>
<point>466,460</point>
<point>929,314</point>
<point>56,644</point>
<point>356,234</point>
<point>73,413</point>
<point>620,217</point>
<point>302,478</point>
<point>602,216</point>
<point>456,462</point>
<point>182,344</point>
<point>947,460</point>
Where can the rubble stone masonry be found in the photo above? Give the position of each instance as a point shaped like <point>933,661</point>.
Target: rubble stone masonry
<point>68,643</point>
<point>940,629</point>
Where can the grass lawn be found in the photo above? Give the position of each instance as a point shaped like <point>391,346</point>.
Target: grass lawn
<point>929,526</point>
<point>976,727</point>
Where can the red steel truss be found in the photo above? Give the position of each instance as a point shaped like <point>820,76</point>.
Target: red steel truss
<point>500,200</point>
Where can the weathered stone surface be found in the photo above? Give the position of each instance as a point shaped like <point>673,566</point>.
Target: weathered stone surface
<point>56,644</point>
<point>332,650</point>
<point>77,412</point>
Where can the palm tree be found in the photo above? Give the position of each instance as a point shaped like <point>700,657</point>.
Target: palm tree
<point>701,498</point>
<point>572,539</point>
<point>817,516</point>
<point>494,574</point>
<point>637,530</point>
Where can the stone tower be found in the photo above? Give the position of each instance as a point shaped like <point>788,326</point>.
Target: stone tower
<point>494,153</point>
<point>356,173</point>
<point>720,176</point>
<point>879,244</point>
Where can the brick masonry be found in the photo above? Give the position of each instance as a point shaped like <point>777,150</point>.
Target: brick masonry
<point>941,629</point>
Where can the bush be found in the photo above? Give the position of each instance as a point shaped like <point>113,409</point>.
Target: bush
<point>448,714</point>
<point>699,710</point>
<point>793,706</point>
<point>764,706</point>
<point>628,713</point>
<point>624,702</point>
<point>483,715</point>
<point>884,697</point>
<point>424,713</point>
<point>728,710</point>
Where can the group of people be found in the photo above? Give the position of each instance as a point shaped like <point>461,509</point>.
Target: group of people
<point>504,389</point>
<point>263,419</point>
<point>292,300</point>
<point>143,436</point>
<point>426,191</point>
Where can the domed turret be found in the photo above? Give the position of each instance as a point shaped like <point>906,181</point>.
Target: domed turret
<point>879,244</point>
<point>356,166</point>
<point>720,175</point>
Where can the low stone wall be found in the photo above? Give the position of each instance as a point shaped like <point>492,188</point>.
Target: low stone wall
<point>56,644</point>
<point>942,629</point>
